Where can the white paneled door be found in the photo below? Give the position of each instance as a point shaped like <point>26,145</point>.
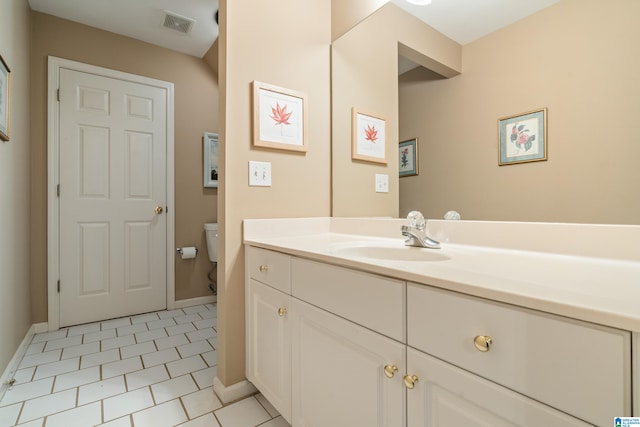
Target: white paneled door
<point>113,196</point>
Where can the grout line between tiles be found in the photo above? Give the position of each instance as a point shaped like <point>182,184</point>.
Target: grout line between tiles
<point>196,317</point>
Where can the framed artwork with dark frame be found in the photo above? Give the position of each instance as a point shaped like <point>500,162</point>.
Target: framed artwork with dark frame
<point>5,99</point>
<point>523,137</point>
<point>279,118</point>
<point>408,158</point>
<point>210,156</point>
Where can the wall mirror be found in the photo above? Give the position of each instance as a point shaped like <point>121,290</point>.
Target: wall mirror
<point>452,107</point>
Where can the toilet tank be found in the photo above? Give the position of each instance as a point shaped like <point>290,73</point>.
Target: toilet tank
<point>211,231</point>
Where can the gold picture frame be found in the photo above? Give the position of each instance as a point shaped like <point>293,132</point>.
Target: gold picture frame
<point>5,100</point>
<point>279,118</point>
<point>523,137</point>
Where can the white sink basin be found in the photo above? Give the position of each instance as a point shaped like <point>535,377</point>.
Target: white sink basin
<point>391,253</point>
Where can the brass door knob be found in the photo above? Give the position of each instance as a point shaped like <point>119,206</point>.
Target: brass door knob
<point>263,268</point>
<point>410,381</point>
<point>390,370</point>
<point>282,311</point>
<point>158,210</point>
<point>483,343</point>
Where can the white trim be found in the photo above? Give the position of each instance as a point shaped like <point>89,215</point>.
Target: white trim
<point>12,367</point>
<point>234,392</point>
<point>195,301</point>
<point>635,365</point>
<point>53,149</point>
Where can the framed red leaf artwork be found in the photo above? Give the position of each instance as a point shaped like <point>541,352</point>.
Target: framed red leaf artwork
<point>369,138</point>
<point>279,118</point>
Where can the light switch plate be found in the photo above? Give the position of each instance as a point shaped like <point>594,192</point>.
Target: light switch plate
<point>382,183</point>
<point>259,174</point>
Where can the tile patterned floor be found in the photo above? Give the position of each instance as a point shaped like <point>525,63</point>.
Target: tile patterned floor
<point>150,370</point>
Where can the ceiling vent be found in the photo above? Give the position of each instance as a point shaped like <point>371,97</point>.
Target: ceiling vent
<point>178,23</point>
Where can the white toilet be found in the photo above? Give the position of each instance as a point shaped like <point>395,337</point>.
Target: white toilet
<point>211,231</point>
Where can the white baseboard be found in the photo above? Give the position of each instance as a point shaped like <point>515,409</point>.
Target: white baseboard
<point>194,301</point>
<point>12,367</point>
<point>233,392</point>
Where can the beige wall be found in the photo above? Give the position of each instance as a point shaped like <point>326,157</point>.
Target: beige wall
<point>365,76</point>
<point>196,111</point>
<point>15,311</point>
<point>284,43</point>
<point>346,14</point>
<point>579,59</point>
<point>211,58</point>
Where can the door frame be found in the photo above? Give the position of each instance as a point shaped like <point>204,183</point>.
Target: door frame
<point>53,177</point>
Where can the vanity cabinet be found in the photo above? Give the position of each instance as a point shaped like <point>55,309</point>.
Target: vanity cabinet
<point>348,348</point>
<point>446,396</point>
<point>313,353</point>
<point>268,327</point>
<point>575,367</point>
<point>338,372</point>
<point>269,343</point>
<point>332,346</point>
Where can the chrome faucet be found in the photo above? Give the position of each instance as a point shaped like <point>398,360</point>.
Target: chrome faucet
<point>416,234</point>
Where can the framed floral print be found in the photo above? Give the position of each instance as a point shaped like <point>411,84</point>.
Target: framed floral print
<point>279,118</point>
<point>368,141</point>
<point>408,158</point>
<point>523,137</point>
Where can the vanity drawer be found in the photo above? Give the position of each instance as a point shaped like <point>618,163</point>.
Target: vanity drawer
<point>577,367</point>
<point>269,267</point>
<point>372,301</point>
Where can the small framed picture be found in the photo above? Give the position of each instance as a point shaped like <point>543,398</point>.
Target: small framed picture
<point>523,137</point>
<point>5,99</point>
<point>210,155</point>
<point>279,118</point>
<point>368,141</point>
<point>408,158</point>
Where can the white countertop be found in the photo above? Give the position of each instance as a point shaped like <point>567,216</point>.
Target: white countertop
<point>571,278</point>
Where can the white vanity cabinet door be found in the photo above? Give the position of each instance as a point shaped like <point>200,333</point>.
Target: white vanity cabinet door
<point>446,396</point>
<point>338,372</point>
<point>268,359</point>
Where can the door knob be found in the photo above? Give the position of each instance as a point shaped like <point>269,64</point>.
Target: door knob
<point>158,209</point>
<point>282,311</point>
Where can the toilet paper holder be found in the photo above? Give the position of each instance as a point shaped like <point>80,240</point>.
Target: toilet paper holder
<point>179,251</point>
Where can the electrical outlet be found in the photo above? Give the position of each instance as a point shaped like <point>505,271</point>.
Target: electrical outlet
<point>382,183</point>
<point>259,174</point>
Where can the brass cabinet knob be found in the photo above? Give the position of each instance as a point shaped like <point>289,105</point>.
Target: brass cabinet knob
<point>483,342</point>
<point>390,370</point>
<point>282,311</point>
<point>158,210</point>
<point>263,268</point>
<point>410,381</point>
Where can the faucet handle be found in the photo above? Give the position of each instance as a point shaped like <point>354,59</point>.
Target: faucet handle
<point>416,220</point>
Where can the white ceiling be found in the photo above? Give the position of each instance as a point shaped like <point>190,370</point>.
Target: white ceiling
<point>467,20</point>
<point>461,20</point>
<point>142,20</point>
